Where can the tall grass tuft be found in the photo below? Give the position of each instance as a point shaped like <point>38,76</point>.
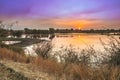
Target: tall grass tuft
<point>43,49</point>
<point>112,49</point>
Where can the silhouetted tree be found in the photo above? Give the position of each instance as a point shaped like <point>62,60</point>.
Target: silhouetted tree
<point>17,33</point>
<point>51,30</point>
<point>3,33</point>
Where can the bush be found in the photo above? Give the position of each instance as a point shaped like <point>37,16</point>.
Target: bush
<point>17,33</point>
<point>43,49</point>
<point>112,49</point>
<point>72,55</point>
<point>4,33</point>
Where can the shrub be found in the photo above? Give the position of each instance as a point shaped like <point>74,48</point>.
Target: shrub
<point>72,55</point>
<point>4,33</point>
<point>112,49</point>
<point>43,49</point>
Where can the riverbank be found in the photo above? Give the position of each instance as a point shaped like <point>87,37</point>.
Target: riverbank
<point>23,41</point>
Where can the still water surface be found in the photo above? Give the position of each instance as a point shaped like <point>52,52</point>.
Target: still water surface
<point>80,41</point>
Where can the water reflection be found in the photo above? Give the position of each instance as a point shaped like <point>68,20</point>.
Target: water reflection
<point>80,41</point>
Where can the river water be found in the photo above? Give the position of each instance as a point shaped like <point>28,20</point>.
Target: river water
<point>80,41</point>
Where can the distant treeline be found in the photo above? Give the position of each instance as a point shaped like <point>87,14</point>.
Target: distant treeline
<point>18,33</point>
<point>6,30</point>
<point>52,31</point>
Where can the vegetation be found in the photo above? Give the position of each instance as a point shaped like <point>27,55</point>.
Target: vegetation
<point>72,66</point>
<point>71,71</point>
<point>3,33</point>
<point>112,49</point>
<point>66,64</point>
<point>13,48</point>
<point>71,56</point>
<point>10,74</point>
<point>23,41</point>
<point>17,33</point>
<point>52,30</point>
<point>43,49</point>
<point>11,55</point>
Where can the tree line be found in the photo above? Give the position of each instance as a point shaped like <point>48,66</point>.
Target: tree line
<point>6,30</point>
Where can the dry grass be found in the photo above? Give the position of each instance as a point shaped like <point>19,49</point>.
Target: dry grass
<point>49,66</point>
<point>44,65</point>
<point>10,55</point>
<point>62,71</point>
<point>83,72</point>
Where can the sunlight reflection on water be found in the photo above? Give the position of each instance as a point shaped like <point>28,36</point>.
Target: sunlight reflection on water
<point>80,41</point>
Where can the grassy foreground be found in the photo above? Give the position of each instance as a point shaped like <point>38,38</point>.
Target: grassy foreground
<point>50,69</point>
<point>10,74</point>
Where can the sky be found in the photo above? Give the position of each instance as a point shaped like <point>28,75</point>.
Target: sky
<point>44,14</point>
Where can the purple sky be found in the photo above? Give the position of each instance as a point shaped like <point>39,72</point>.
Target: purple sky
<point>62,13</point>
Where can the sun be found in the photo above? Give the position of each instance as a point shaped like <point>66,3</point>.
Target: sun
<point>79,28</point>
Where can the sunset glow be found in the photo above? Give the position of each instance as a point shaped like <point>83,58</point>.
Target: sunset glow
<point>79,28</point>
<point>85,14</point>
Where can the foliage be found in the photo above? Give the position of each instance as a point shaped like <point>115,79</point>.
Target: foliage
<point>43,49</point>
<point>112,49</point>
<point>3,33</point>
<point>70,55</point>
<point>13,48</point>
<point>17,33</point>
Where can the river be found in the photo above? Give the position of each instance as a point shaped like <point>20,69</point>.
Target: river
<point>80,40</point>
